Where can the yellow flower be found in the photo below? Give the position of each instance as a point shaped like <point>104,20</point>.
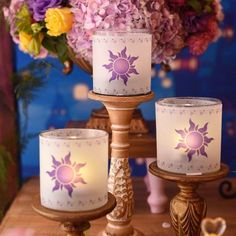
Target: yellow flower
<point>30,43</point>
<point>24,40</point>
<point>58,20</point>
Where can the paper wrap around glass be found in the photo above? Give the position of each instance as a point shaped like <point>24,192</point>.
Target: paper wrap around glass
<point>122,62</point>
<point>189,134</point>
<point>73,169</point>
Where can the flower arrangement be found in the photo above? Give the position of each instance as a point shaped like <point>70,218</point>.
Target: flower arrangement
<point>50,27</point>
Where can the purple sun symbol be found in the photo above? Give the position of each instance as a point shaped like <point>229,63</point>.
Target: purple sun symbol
<point>194,140</point>
<point>121,66</point>
<point>66,174</point>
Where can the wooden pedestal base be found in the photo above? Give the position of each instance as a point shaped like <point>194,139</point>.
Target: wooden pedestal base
<point>120,110</point>
<point>187,209</point>
<point>74,223</point>
<point>120,230</point>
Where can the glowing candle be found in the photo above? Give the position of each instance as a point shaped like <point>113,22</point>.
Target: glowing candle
<point>73,169</point>
<point>189,134</point>
<point>122,62</point>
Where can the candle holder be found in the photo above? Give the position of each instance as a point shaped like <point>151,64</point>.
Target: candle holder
<point>189,134</point>
<point>120,110</point>
<point>74,223</point>
<point>122,62</point>
<point>69,169</point>
<point>187,208</point>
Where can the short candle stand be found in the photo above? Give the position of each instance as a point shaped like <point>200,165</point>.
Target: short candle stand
<point>120,110</point>
<point>187,208</point>
<point>74,223</point>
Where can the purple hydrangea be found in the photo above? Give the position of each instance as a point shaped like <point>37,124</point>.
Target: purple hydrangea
<point>39,7</point>
<point>173,23</point>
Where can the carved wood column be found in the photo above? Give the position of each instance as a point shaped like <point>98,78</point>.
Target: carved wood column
<point>120,110</point>
<point>187,208</point>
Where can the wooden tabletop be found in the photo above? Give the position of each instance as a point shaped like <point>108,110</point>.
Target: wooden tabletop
<point>21,214</point>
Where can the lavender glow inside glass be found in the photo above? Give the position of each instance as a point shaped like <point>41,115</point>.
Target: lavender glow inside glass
<point>122,62</point>
<point>189,134</point>
<point>70,179</point>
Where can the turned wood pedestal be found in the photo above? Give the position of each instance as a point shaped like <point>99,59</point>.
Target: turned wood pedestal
<point>74,223</point>
<point>187,208</point>
<point>120,110</point>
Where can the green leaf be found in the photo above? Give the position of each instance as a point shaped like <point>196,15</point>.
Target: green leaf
<point>34,45</point>
<point>23,20</point>
<point>196,5</point>
<point>62,52</point>
<point>50,44</point>
<point>36,27</point>
<point>58,46</point>
<point>27,82</point>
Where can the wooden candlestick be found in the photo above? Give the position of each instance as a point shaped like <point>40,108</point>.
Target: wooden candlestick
<point>120,110</point>
<point>74,223</point>
<point>187,208</point>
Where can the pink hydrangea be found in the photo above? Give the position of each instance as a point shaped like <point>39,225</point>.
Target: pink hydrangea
<point>198,43</point>
<point>126,14</point>
<point>167,31</point>
<point>94,15</point>
<point>174,24</point>
<point>9,14</point>
<point>199,30</point>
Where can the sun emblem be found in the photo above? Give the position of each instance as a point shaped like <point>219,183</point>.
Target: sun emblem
<point>66,174</point>
<point>121,66</point>
<point>194,140</point>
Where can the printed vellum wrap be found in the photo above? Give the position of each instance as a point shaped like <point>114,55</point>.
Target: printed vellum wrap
<point>73,169</point>
<point>189,134</point>
<point>122,62</point>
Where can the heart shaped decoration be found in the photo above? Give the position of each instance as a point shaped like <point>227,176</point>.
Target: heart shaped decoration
<point>213,227</point>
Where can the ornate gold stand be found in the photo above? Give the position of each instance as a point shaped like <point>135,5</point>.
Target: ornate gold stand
<point>74,223</point>
<point>187,209</point>
<point>99,119</point>
<point>120,110</point>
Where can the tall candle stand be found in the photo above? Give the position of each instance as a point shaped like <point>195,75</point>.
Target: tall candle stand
<point>187,208</point>
<point>120,110</point>
<point>74,223</point>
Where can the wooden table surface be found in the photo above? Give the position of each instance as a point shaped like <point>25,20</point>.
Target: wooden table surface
<point>21,214</point>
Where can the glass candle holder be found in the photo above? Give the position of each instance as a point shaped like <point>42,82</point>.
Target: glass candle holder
<point>122,62</point>
<point>189,134</point>
<point>73,169</point>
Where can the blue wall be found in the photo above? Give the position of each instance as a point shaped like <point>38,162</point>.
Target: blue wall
<point>213,75</point>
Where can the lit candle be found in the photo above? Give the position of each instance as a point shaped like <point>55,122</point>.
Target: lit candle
<point>122,62</point>
<point>189,134</point>
<point>73,169</point>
